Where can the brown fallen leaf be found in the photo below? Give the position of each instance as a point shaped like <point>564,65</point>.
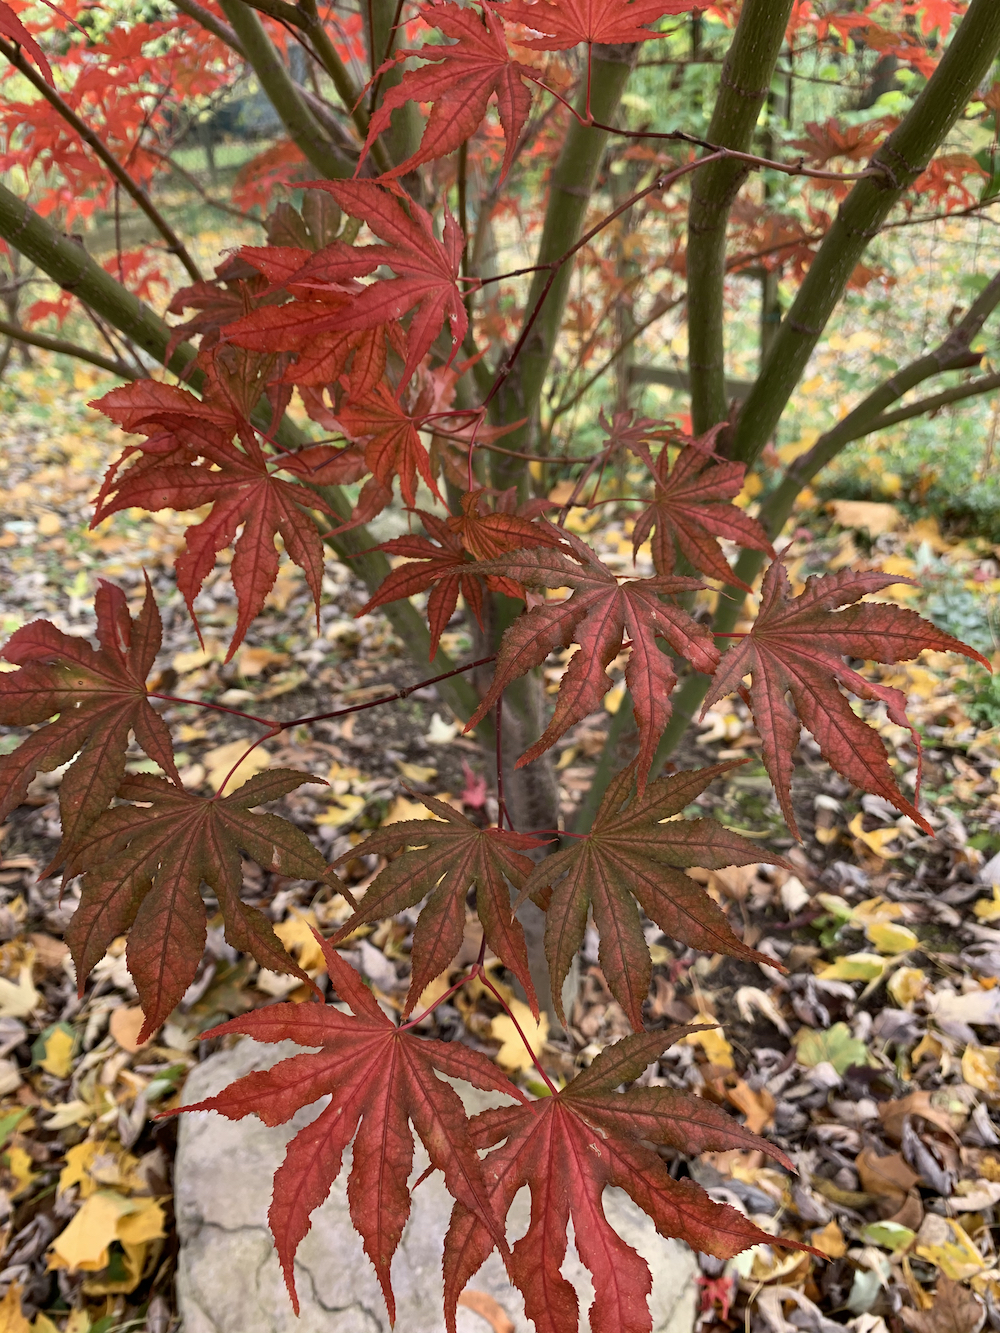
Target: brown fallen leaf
<point>893,1114</point>
<point>955,1310</point>
<point>889,1178</point>
<point>49,952</point>
<point>492,1311</point>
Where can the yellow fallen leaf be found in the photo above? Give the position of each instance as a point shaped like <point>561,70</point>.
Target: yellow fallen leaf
<point>853,967</point>
<point>342,810</point>
<point>830,1239</point>
<point>59,1049</point>
<point>957,1258</point>
<point>979,1068</point>
<point>143,1224</point>
<point>403,809</point>
<point>875,909</point>
<point>712,1042</point>
<point>43,1324</point>
<point>49,525</point>
<point>512,1053</point>
<point>19,998</point>
<point>432,992</point>
<point>219,762</point>
<point>296,934</point>
<point>20,1165</point>
<point>84,1243</point>
<point>12,1319</point>
<point>184,663</point>
<point>891,938</point>
<point>79,1159</point>
<point>988,909</point>
<point>103,1218</point>
<point>907,985</point>
<point>868,515</point>
<point>877,840</point>
<point>416,772</point>
<point>613,699</point>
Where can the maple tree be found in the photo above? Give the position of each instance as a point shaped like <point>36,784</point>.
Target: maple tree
<point>372,340</point>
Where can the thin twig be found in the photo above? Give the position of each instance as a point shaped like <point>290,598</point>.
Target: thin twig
<point>15,331</point>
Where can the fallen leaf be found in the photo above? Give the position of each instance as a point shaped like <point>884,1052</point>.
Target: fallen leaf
<point>872,517</point>
<point>416,772</point>
<point>893,1114</point>
<point>441,732</point>
<point>297,934</point>
<point>512,1053</point>
<point>887,1177</point>
<point>946,1245</point>
<point>836,1046</point>
<point>59,1046</point>
<point>483,1304</point>
<point>830,1239</point>
<point>757,1106</point>
<point>12,1319</point>
<point>890,938</point>
<point>907,985</point>
<point>979,1068</point>
<point>220,761</point>
<point>255,661</point>
<point>21,1167</point>
<point>877,840</point>
<point>105,1217</point>
<point>713,1041</point>
<point>854,967</point>
<point>341,810</point>
<point>889,1235</point>
<point>125,1026</point>
<point>19,998</point>
<point>988,909</point>
<point>955,1310</point>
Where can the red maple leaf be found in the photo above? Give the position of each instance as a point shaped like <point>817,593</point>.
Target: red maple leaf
<point>441,561</point>
<point>239,483</point>
<point>691,510</point>
<point>459,85</point>
<point>380,1080</point>
<point>630,852</point>
<point>570,22</point>
<point>12,27</point>
<point>597,616</point>
<point>391,438</point>
<point>567,1148</point>
<point>797,647</point>
<point>99,696</point>
<point>428,269</point>
<point>143,866</point>
<point>443,860</point>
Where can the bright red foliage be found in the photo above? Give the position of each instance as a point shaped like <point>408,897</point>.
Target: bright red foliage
<point>573,21</point>
<point>380,1081</point>
<point>597,616</point>
<point>797,646</point>
<point>459,84</point>
<point>568,1148</point>
<point>99,696</point>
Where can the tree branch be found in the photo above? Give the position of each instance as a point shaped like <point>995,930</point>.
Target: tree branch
<point>744,84</point>
<point>570,191</point>
<point>297,118</point>
<point>131,187</point>
<point>902,158</point>
<point>19,334</point>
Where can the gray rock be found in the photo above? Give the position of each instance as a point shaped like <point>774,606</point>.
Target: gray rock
<point>228,1277</point>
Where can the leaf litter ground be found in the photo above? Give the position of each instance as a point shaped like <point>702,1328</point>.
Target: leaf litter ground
<point>874,1063</point>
